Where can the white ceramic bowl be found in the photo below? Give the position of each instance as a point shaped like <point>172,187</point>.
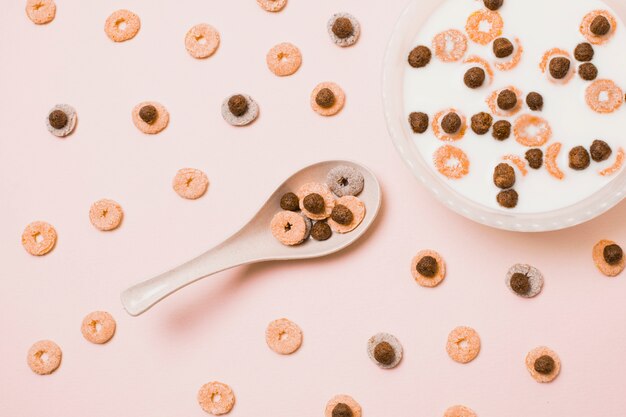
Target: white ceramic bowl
<point>394,65</point>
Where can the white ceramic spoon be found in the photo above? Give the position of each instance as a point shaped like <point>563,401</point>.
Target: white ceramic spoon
<point>255,243</point>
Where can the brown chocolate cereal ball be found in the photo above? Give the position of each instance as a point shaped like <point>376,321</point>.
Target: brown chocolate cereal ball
<point>427,266</point>
<point>420,56</point>
<point>579,158</point>
<point>504,176</point>
<point>559,67</point>
<point>508,198</point>
<point>342,214</point>
<point>474,77</point>
<point>148,114</point>
<point>342,28</point>
<point>600,150</point>
<point>325,98</point>
<point>535,158</point>
<point>493,4</point>
<point>588,71</point>
<point>481,123</point>
<point>534,101</point>
<point>289,201</point>
<point>600,26</point>
<point>418,122</point>
<point>342,410</point>
<point>520,283</point>
<point>507,99</point>
<point>584,52</point>
<point>544,364</point>
<point>613,254</point>
<point>58,119</point>
<point>321,231</point>
<point>451,123</point>
<point>384,353</point>
<point>314,203</point>
<point>502,48</point>
<point>238,105</point>
<point>501,130</point>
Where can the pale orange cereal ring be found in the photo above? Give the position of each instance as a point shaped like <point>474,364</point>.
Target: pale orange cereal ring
<point>518,162</point>
<point>463,344</point>
<point>550,161</point>
<point>190,183</point>
<point>216,398</point>
<point>155,126</point>
<point>284,59</point>
<point>272,5</point>
<point>98,327</point>
<point>451,162</point>
<point>343,399</point>
<point>44,357</point>
<point>106,215</point>
<point>122,25</point>
<point>617,165</point>
<point>39,238</point>
<point>425,281</point>
<point>441,42</point>
<point>473,26</point>
<point>535,354</point>
<point>316,188</point>
<point>531,131</point>
<point>604,96</point>
<point>438,130</point>
<point>459,411</point>
<point>289,228</point>
<point>337,105</point>
<point>356,206</point>
<point>592,37</point>
<point>283,336</point>
<point>202,41</point>
<point>492,102</point>
<point>545,61</point>
<point>41,12</point>
<point>514,60</point>
<point>475,59</point>
<point>602,265</point>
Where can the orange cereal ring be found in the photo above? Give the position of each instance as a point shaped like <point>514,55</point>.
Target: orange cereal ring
<point>284,59</point>
<point>122,25</point>
<point>357,208</point>
<point>463,344</point>
<point>44,357</point>
<point>346,400</point>
<point>518,162</point>
<point>617,165</point>
<point>438,130</point>
<point>339,99</point>
<point>153,125</point>
<point>202,41</point>
<point>423,280</point>
<point>106,215</point>
<point>443,39</point>
<point>545,61</point>
<point>601,263</point>
<point>316,188</point>
<point>289,228</point>
<point>459,411</point>
<point>585,27</point>
<point>41,12</point>
<point>604,96</point>
<point>451,162</point>
<point>39,238</point>
<point>98,327</point>
<point>531,131</point>
<point>475,59</point>
<point>537,353</point>
<point>283,336</point>
<point>476,19</point>
<point>492,102</point>
<point>514,60</point>
<point>216,398</point>
<point>190,183</point>
<point>550,161</point>
<point>272,5</point>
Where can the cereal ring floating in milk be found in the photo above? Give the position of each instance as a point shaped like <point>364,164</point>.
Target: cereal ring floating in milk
<point>342,405</point>
<point>61,120</point>
<point>344,30</point>
<point>150,117</point>
<point>327,99</point>
<point>463,344</point>
<point>272,5</point>
<point>98,327</point>
<point>428,268</point>
<point>476,21</point>
<point>532,131</point>
<point>39,238</point>
<point>617,165</point>
<point>451,162</point>
<point>106,215</point>
<point>482,63</point>
<point>44,357</point>
<point>283,336</point>
<point>550,161</point>
<point>202,41</point>
<point>608,258</point>
<point>598,27</point>
<point>459,45</point>
<point>122,25</point>
<point>557,65</point>
<point>604,96</point>
<point>216,398</point>
<point>543,364</point>
<point>459,411</point>
<point>439,129</point>
<point>512,62</point>
<point>494,101</point>
<point>284,59</point>
<point>190,183</point>
<point>385,350</point>
<point>41,12</point>
<point>518,162</point>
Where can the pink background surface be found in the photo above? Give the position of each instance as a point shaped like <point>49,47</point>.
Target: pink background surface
<point>214,330</point>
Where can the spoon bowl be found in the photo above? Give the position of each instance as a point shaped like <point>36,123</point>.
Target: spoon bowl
<point>255,242</point>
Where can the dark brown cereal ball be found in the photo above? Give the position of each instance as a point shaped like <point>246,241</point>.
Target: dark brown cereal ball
<point>502,48</point>
<point>600,26</point>
<point>613,254</point>
<point>342,214</point>
<point>600,150</point>
<point>507,99</point>
<point>148,114</point>
<point>501,130</point>
<point>588,71</point>
<point>58,119</point>
<point>579,158</point>
<point>384,353</point>
<point>314,203</point>
<point>559,67</point>
<point>504,176</point>
<point>238,105</point>
<point>474,77</point>
<point>481,123</point>
<point>427,266</point>
<point>520,283</point>
<point>508,198</point>
<point>544,364</point>
<point>418,122</point>
<point>420,56</point>
<point>584,52</point>
<point>321,231</point>
<point>535,158</point>
<point>451,123</point>
<point>325,98</point>
<point>289,201</point>
<point>342,28</point>
<point>534,101</point>
<point>342,410</point>
<point>493,4</point>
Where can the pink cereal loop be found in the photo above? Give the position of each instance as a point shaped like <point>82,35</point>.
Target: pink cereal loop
<point>475,59</point>
<point>473,26</point>
<point>41,12</point>
<point>586,30</point>
<point>216,398</point>
<point>440,45</point>
<point>492,102</point>
<point>122,25</point>
<point>525,121</point>
<point>614,96</point>
<point>438,131</point>
<point>284,59</point>
<point>39,238</point>
<point>202,41</point>
<point>514,61</point>
<point>98,327</point>
<point>190,183</point>
<point>518,162</point>
<point>451,162</point>
<point>617,165</point>
<point>106,215</point>
<point>44,357</point>
<point>550,161</point>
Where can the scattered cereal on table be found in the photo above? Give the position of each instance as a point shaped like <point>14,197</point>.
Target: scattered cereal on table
<point>122,25</point>
<point>61,120</point>
<point>39,238</point>
<point>524,280</point>
<point>428,268</point>
<point>41,12</point>
<point>98,327</point>
<point>342,406</point>
<point>44,357</point>
<point>344,30</point>
<point>543,364</point>
<point>609,258</point>
<point>384,350</point>
<point>216,398</point>
<point>240,110</point>
<point>283,336</point>
<point>463,344</point>
<point>106,215</point>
